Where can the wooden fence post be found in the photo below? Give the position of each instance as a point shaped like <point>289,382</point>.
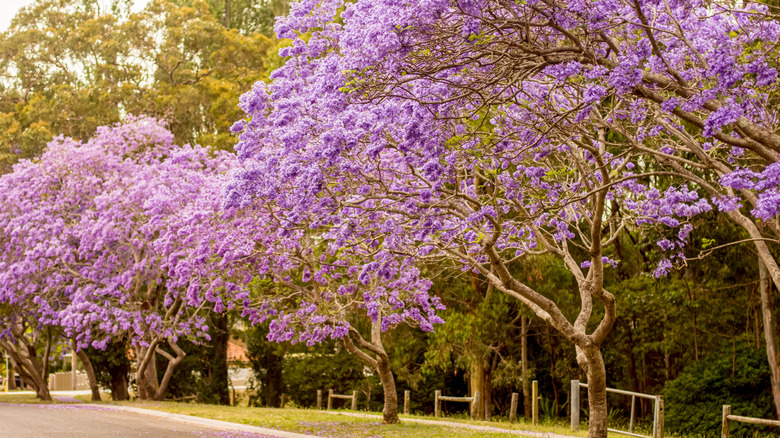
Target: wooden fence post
<point>659,416</point>
<point>436,404</point>
<point>354,400</point>
<point>575,405</point>
<point>330,399</point>
<point>475,407</point>
<point>513,408</point>
<point>535,402</point>
<point>319,399</point>
<point>725,429</point>
<point>406,402</point>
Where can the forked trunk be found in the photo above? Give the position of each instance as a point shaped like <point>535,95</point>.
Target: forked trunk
<point>381,363</point>
<point>26,362</point>
<point>173,362</point>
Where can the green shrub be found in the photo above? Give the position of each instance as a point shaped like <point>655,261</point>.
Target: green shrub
<point>738,376</point>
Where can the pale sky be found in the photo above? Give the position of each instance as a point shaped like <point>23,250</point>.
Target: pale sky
<point>8,9</point>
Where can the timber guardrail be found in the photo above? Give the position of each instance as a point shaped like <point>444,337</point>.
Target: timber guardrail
<point>728,417</point>
<point>658,410</point>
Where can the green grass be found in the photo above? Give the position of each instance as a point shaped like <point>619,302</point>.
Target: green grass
<point>11,397</point>
<point>333,424</point>
<point>336,425</point>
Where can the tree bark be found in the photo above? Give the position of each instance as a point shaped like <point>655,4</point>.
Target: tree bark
<point>11,375</point>
<point>524,366</point>
<point>173,362</point>
<point>770,333</point>
<point>25,360</point>
<point>487,402</point>
<point>390,408</point>
<point>477,383</point>
<point>597,393</point>
<point>227,14</point>
<point>119,387</point>
<point>218,366</point>
<point>381,363</point>
<point>146,374</point>
<point>93,385</point>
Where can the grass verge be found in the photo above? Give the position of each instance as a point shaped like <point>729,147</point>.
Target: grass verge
<point>333,424</point>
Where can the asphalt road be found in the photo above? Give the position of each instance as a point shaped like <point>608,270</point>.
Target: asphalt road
<point>73,421</point>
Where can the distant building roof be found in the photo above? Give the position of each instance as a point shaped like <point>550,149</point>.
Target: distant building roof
<point>236,351</point>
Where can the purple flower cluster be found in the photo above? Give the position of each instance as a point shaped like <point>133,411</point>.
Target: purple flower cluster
<point>100,238</point>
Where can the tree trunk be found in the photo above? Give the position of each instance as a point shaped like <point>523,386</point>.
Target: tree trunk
<point>146,376</point>
<point>597,393</point>
<point>390,408</point>
<point>12,376</point>
<point>524,364</point>
<point>553,349</point>
<point>173,362</point>
<point>42,392</point>
<point>119,387</point>
<point>487,402</point>
<point>770,333</point>
<point>93,385</point>
<point>25,360</point>
<point>31,376</point>
<point>218,366</point>
<point>381,364</point>
<point>477,383</point>
<point>227,14</point>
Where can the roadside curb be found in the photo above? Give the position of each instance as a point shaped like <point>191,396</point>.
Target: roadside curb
<point>216,424</point>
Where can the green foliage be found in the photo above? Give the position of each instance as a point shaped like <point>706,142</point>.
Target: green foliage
<point>736,375</point>
<point>112,367</point>
<point>267,360</point>
<point>203,371</point>
<point>324,367</point>
<point>213,365</point>
<point>69,66</point>
<point>246,16</point>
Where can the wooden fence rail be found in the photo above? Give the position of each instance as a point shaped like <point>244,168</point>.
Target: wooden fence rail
<point>352,397</point>
<point>438,398</point>
<point>658,410</point>
<point>728,417</point>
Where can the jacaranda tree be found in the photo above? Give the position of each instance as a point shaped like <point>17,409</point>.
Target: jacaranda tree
<point>93,235</point>
<point>483,131</point>
<point>307,293</point>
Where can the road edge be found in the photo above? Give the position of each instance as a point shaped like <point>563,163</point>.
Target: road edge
<point>208,422</point>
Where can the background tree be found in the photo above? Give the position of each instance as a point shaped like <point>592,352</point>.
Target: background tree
<point>267,360</point>
<point>112,367</point>
<point>68,66</point>
<point>95,241</point>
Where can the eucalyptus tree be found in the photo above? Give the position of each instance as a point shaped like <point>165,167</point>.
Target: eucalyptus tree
<point>69,66</point>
